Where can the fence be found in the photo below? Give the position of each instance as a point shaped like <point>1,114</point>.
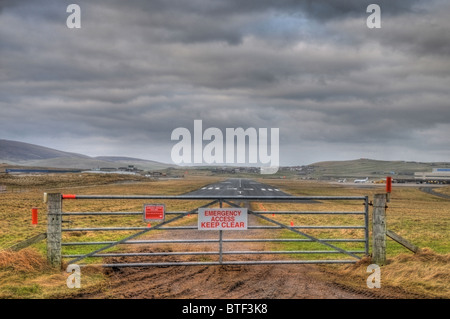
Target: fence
<point>264,228</point>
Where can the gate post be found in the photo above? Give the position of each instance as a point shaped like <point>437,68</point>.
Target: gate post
<point>220,240</point>
<point>379,230</point>
<point>54,204</point>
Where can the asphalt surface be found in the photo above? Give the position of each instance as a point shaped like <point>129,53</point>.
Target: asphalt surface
<point>238,187</point>
<point>430,191</point>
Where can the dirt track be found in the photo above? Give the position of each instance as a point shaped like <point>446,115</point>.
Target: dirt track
<point>233,282</point>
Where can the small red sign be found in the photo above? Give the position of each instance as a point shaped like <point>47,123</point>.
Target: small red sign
<point>154,212</point>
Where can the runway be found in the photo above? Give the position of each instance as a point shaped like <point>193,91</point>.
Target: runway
<point>238,187</point>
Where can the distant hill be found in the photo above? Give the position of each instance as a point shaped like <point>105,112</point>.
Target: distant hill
<point>25,154</point>
<point>121,159</point>
<point>14,151</point>
<point>361,168</point>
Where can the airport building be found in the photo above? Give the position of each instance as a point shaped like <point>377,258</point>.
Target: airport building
<point>436,176</point>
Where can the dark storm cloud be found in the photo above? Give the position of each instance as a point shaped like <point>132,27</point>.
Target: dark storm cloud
<point>420,32</point>
<point>426,34</point>
<point>231,21</point>
<point>10,3</point>
<point>325,9</point>
<point>136,70</point>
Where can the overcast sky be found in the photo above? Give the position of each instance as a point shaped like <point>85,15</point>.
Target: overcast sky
<point>138,69</point>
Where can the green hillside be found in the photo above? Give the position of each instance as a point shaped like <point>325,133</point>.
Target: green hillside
<point>370,168</point>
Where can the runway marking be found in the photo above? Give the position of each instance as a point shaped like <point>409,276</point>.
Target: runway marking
<point>263,189</point>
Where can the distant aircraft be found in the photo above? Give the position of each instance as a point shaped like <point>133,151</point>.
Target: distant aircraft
<point>361,180</point>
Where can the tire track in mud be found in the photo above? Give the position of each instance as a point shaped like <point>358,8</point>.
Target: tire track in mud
<point>221,282</point>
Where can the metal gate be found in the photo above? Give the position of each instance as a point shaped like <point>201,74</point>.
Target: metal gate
<point>280,234</point>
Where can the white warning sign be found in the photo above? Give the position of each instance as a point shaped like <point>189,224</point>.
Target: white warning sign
<point>222,218</point>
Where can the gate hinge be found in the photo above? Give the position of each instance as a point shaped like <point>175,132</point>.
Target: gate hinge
<point>371,204</point>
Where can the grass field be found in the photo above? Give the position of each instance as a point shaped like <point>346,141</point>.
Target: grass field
<point>421,218</point>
